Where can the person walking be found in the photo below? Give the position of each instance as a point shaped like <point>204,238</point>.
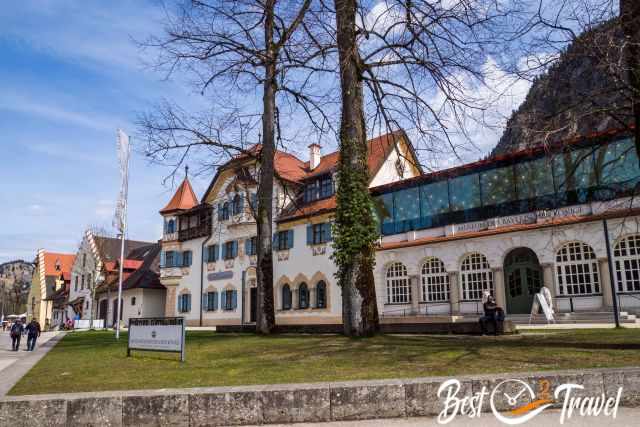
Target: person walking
<point>33,332</point>
<point>16,333</point>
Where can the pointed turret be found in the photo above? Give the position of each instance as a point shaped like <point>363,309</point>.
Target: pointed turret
<point>183,199</point>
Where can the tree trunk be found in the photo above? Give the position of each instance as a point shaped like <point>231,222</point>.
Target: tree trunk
<point>265,319</point>
<point>355,230</point>
<point>630,20</point>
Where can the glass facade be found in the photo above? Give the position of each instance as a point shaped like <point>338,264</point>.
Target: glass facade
<point>580,175</point>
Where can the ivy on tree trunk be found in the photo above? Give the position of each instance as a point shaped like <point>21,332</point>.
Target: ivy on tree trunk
<point>355,229</point>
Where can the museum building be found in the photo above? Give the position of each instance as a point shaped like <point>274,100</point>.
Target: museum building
<point>508,224</point>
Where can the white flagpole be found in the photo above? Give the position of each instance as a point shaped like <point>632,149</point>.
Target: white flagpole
<point>124,159</point>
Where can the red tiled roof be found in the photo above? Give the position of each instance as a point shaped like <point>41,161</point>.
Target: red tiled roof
<point>379,149</point>
<point>184,198</point>
<point>131,264</point>
<point>52,258</point>
<point>289,167</point>
<point>314,208</point>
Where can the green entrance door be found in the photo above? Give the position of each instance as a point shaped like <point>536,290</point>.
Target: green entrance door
<point>523,279</point>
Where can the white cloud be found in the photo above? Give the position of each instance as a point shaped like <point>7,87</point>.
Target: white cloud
<point>55,113</point>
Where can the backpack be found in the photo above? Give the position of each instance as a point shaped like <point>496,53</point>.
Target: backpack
<point>15,329</point>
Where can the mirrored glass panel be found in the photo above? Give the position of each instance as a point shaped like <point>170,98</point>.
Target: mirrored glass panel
<point>497,186</point>
<point>464,192</point>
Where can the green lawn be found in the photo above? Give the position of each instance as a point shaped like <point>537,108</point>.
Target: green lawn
<point>94,361</point>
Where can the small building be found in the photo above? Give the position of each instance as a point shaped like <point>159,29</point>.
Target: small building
<point>142,293</point>
<point>48,279</point>
<point>89,270</point>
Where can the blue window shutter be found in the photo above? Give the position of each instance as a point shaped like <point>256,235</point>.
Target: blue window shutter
<point>235,248</point>
<point>254,201</point>
<point>223,251</point>
<point>188,297</point>
<point>242,203</point>
<point>275,240</point>
<point>219,212</point>
<point>162,258</point>
<point>205,255</point>
<point>309,234</point>
<point>186,258</point>
<point>329,233</point>
<point>223,299</point>
<point>178,258</point>
<point>247,246</point>
<point>234,299</point>
<point>290,238</point>
<point>205,302</point>
<point>215,301</point>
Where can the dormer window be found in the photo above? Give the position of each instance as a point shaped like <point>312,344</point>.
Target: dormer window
<point>320,188</point>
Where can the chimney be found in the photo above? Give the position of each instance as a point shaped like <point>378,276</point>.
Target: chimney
<point>314,156</point>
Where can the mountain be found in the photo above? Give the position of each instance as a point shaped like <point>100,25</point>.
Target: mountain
<point>581,93</point>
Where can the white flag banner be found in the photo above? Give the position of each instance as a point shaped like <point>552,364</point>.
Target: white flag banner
<point>123,158</point>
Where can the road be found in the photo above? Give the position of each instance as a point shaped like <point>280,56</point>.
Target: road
<point>13,365</point>
<point>626,417</point>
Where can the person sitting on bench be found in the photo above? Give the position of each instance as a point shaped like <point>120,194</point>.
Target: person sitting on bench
<point>490,315</point>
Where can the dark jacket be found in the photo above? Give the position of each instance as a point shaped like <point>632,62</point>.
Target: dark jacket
<point>33,329</point>
<point>17,329</point>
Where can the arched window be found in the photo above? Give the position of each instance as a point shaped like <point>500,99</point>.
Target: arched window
<point>303,296</point>
<point>171,226</point>
<point>321,294</point>
<point>476,277</point>
<point>225,211</point>
<point>577,270</point>
<point>286,297</point>
<point>237,206</point>
<point>627,263</point>
<point>398,288</point>
<point>435,281</point>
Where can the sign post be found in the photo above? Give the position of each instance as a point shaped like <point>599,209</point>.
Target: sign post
<point>157,334</point>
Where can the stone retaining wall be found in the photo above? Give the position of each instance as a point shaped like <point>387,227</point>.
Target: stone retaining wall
<point>399,327</point>
<point>288,403</point>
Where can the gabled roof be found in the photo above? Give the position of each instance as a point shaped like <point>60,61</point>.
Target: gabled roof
<point>141,273</point>
<point>109,248</point>
<point>184,198</point>
<point>51,259</point>
<point>379,148</point>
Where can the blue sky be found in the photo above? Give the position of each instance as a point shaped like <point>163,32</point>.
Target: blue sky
<point>70,76</point>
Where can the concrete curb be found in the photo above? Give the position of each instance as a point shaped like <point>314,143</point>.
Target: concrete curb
<point>289,403</point>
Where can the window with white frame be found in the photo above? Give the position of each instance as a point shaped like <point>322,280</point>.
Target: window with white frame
<point>435,281</point>
<point>577,270</point>
<point>626,255</point>
<point>476,277</point>
<point>398,287</point>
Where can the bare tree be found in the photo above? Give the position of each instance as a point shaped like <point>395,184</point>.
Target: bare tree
<point>236,45</point>
<point>404,64</point>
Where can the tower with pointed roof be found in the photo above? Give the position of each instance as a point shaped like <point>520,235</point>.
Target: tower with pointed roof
<point>183,199</point>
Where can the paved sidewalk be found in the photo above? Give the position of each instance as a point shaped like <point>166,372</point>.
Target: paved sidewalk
<point>14,364</point>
